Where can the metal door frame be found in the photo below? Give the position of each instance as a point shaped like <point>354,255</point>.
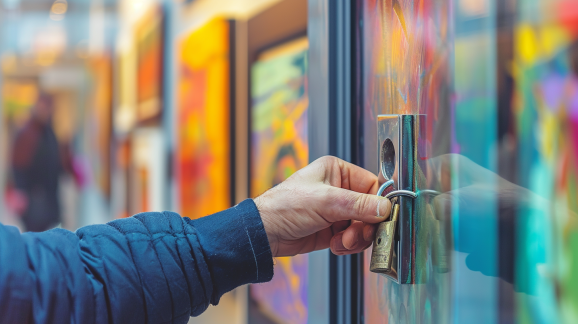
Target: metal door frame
<point>336,282</point>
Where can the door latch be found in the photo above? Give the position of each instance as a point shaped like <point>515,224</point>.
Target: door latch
<point>393,252</point>
<point>404,241</point>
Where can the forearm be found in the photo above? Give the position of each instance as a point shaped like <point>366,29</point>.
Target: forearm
<point>236,247</point>
<point>153,267</point>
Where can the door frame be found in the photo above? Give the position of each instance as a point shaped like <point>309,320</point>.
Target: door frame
<point>335,115</point>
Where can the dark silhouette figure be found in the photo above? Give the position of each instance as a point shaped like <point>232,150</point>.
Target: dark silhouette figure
<point>36,166</point>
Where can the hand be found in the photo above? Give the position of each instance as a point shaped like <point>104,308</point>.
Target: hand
<point>16,200</point>
<point>329,203</point>
<point>486,205</point>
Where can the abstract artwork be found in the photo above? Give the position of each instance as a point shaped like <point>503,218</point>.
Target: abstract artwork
<point>545,107</point>
<point>278,149</point>
<point>203,121</point>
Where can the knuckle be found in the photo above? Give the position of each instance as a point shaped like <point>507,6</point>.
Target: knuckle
<point>360,205</point>
<point>324,167</point>
<point>326,161</point>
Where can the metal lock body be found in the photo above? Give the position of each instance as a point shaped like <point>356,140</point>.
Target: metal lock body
<point>382,253</point>
<point>397,140</point>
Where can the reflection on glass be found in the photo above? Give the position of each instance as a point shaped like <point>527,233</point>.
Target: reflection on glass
<point>407,50</point>
<point>497,83</point>
<point>545,103</point>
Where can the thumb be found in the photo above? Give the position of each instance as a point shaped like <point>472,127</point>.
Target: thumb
<point>342,204</point>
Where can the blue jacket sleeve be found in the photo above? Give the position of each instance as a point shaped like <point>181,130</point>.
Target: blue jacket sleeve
<point>150,268</point>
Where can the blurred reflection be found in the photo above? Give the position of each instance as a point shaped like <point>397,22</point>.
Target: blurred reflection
<point>472,198</point>
<point>37,161</point>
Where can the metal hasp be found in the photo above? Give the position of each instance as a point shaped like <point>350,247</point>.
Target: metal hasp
<point>397,140</point>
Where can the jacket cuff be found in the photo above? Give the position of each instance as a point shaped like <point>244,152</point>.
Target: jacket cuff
<point>236,247</point>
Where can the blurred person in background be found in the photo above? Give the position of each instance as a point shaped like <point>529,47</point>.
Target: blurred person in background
<point>37,160</point>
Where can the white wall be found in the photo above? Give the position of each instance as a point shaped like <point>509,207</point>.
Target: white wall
<point>200,11</point>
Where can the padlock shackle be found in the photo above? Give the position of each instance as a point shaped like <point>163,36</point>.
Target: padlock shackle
<point>398,193</point>
<point>384,186</point>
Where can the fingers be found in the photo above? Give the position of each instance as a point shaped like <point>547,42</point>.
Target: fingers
<point>358,232</point>
<point>358,179</point>
<point>369,232</point>
<point>349,193</point>
<point>350,241</point>
<point>443,205</point>
<point>348,176</point>
<point>339,226</point>
<point>338,248</point>
<point>341,204</point>
<point>352,235</point>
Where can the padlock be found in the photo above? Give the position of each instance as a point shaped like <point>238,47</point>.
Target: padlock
<point>383,247</point>
<point>397,165</point>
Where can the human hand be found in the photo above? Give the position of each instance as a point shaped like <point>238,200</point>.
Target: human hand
<point>484,204</point>
<point>329,203</point>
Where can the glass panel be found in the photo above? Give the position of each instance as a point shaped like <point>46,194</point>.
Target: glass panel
<point>545,109</point>
<point>416,63</point>
<point>474,164</point>
<point>497,83</point>
<point>407,52</point>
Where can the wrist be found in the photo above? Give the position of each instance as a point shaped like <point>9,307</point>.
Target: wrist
<point>268,224</point>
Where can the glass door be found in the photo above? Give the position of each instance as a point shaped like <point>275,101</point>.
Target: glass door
<point>436,60</point>
<point>494,87</point>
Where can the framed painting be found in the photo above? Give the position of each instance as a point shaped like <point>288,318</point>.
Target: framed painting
<point>279,147</point>
<point>203,158</point>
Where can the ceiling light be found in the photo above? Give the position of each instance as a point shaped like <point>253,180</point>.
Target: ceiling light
<point>59,7</point>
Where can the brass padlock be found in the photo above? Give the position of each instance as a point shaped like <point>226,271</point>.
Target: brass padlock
<point>383,246</point>
<point>397,139</point>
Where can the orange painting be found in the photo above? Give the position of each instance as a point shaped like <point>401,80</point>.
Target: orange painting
<point>149,34</point>
<point>203,154</point>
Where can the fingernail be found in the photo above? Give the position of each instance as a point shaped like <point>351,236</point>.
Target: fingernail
<point>340,250</point>
<point>337,244</point>
<point>383,207</point>
<point>368,233</point>
<point>352,244</point>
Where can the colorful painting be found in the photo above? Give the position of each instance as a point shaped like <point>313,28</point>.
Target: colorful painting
<point>203,121</point>
<point>278,149</point>
<point>149,38</point>
<point>545,106</point>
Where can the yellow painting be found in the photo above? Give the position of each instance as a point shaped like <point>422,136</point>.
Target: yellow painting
<point>203,150</point>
